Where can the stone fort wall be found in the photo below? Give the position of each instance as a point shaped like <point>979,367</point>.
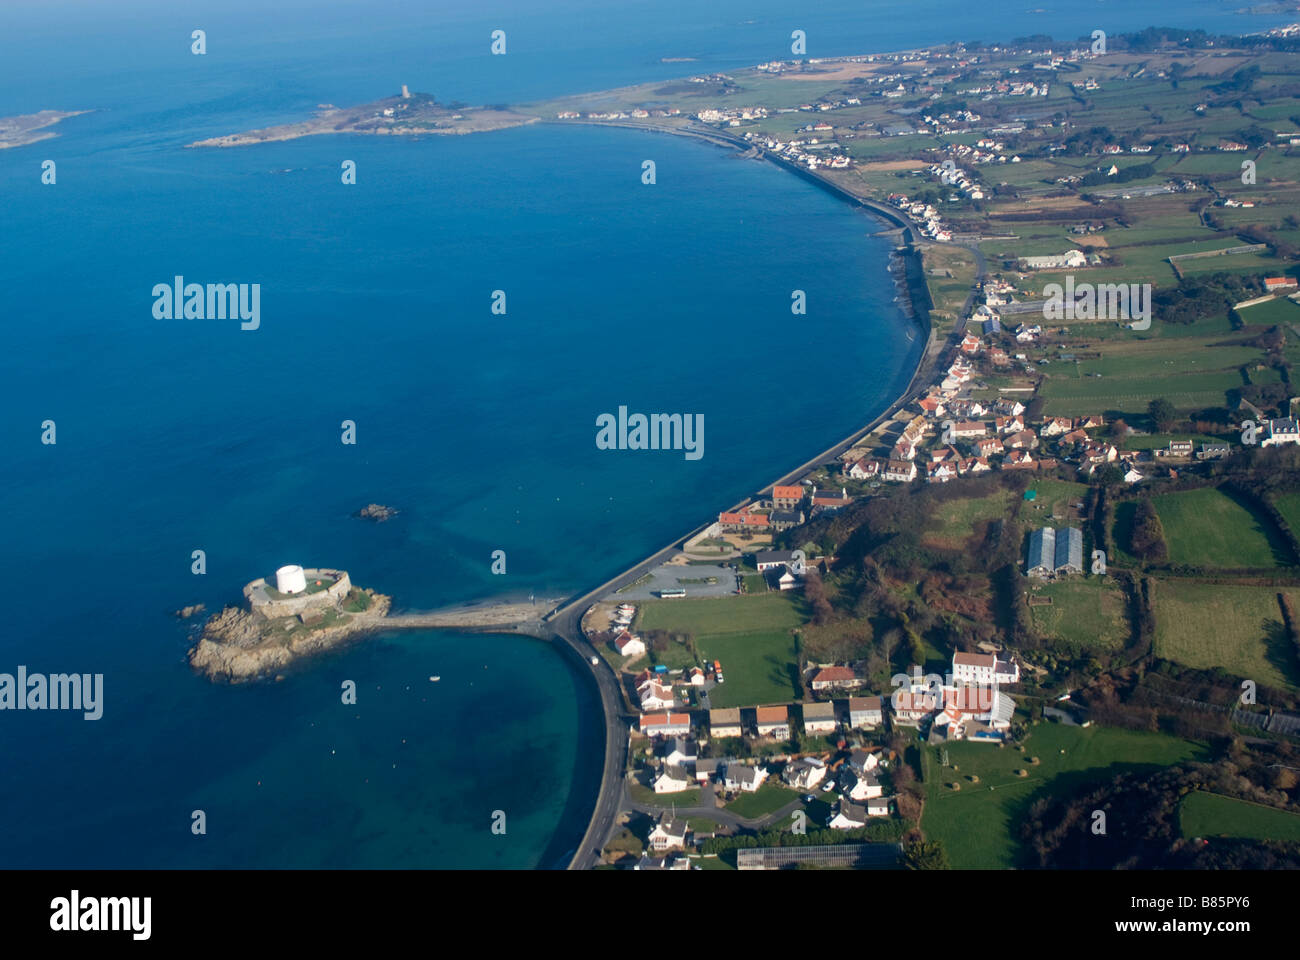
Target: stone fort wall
<point>270,608</point>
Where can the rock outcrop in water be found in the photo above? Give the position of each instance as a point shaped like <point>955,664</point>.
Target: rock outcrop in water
<point>238,644</point>
<point>376,512</point>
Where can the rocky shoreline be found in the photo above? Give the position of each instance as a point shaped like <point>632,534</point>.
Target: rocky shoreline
<point>237,645</point>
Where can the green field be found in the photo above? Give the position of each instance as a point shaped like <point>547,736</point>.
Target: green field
<point>953,521</point>
<point>750,635</point>
<point>1210,528</point>
<point>1088,612</point>
<point>1236,627</point>
<point>767,798</point>
<point>979,826</point>
<point>710,615</point>
<point>1204,814</point>
<point>1288,504</point>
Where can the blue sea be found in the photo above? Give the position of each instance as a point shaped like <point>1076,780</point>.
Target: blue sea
<point>183,435</point>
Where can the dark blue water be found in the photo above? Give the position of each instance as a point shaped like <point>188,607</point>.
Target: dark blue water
<point>177,435</point>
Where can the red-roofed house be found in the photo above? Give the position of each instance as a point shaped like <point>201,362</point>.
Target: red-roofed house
<point>830,677</point>
<point>787,498</point>
<point>665,724</point>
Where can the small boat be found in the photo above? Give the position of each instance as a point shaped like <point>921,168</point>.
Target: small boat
<point>434,679</point>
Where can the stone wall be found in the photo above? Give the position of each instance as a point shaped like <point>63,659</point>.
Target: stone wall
<point>265,606</point>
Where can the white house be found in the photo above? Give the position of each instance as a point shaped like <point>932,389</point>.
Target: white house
<point>848,816</point>
<point>665,724</point>
<point>628,644</point>
<point>724,722</point>
<point>668,834</point>
<point>865,712</point>
<point>743,778</point>
<point>656,697</point>
<point>804,774</point>
<point>1280,432</point>
<point>673,779</point>
<point>773,722</point>
<point>819,718</point>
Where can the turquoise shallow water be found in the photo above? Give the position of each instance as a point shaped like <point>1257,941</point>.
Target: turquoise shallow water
<point>178,435</point>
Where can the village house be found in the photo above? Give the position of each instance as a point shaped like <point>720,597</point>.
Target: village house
<point>858,785</point>
<point>785,519</point>
<point>724,723</point>
<point>787,498</point>
<point>913,706</point>
<point>1022,440</point>
<point>740,778</point>
<point>819,717</point>
<point>828,678</point>
<point>1009,424</point>
<point>966,429</point>
<point>989,446</point>
<point>865,712</point>
<point>679,751</point>
<point>978,704</point>
<point>1056,426</point>
<point>656,696</point>
<point>1280,432</point>
<point>1275,284</point>
<point>773,722</point>
<point>695,676</point>
<point>742,520</point>
<point>1213,451</point>
<point>1019,460</point>
<point>863,761</point>
<point>864,469</point>
<point>900,471</point>
<point>878,807</point>
<point>983,668</point>
<point>672,779</point>
<point>830,500</point>
<point>706,768</point>
<point>675,862</point>
<point>629,645</point>
<point>766,560</point>
<point>847,816</point>
<point>804,774</point>
<point>668,834</point>
<point>665,724</point>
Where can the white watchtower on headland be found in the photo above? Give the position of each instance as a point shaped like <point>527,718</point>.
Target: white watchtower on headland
<point>290,579</point>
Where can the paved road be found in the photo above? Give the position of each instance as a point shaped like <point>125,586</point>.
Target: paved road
<point>565,621</point>
<point>612,796</point>
<point>723,815</point>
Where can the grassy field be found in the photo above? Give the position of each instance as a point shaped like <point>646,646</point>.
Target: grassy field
<point>1288,504</point>
<point>1054,498</point>
<point>1204,814</point>
<point>767,798</point>
<point>1088,612</point>
<point>1236,627</point>
<point>952,522</point>
<point>1208,527</point>
<point>750,635</point>
<point>979,825</point>
<point>710,615</point>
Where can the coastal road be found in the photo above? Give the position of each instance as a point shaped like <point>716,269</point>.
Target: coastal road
<point>612,796</point>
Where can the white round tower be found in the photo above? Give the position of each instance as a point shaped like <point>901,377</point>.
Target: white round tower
<point>290,579</point>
